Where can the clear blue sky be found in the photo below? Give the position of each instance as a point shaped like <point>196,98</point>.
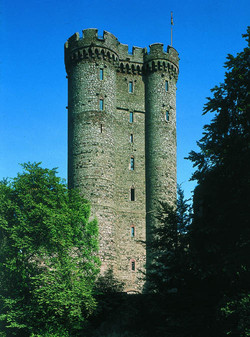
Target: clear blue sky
<point>33,87</point>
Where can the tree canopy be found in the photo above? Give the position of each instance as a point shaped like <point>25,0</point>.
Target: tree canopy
<point>222,198</point>
<point>48,261</point>
<point>220,231</point>
<point>168,248</point>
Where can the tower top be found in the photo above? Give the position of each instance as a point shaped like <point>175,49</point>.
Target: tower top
<point>107,46</point>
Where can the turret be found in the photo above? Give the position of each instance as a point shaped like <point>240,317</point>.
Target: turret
<point>161,73</point>
<point>91,63</point>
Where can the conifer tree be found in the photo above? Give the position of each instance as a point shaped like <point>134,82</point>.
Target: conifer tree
<point>169,246</point>
<point>220,232</point>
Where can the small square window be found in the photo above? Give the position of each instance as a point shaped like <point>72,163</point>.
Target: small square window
<point>132,194</point>
<point>167,116</point>
<point>130,87</point>
<point>101,105</point>
<point>166,85</point>
<point>131,117</point>
<point>101,74</point>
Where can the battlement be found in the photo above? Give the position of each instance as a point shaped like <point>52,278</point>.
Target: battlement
<point>90,37</point>
<point>156,48</point>
<point>136,56</point>
<point>107,46</point>
<point>157,53</point>
<point>91,45</point>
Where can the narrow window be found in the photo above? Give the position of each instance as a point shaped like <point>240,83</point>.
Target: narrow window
<point>131,117</point>
<point>101,128</point>
<point>133,265</point>
<point>167,115</point>
<point>132,194</point>
<point>132,231</point>
<point>101,74</point>
<point>101,104</point>
<point>131,138</point>
<point>166,85</point>
<point>132,163</point>
<point>130,87</point>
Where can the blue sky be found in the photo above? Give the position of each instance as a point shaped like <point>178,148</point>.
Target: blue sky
<point>33,85</point>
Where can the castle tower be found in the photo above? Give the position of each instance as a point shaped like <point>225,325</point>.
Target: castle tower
<point>161,71</point>
<point>91,108</point>
<point>121,142</point>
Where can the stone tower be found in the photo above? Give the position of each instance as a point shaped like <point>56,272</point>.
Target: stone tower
<point>122,142</point>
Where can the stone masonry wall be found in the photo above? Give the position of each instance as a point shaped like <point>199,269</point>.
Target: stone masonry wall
<point>130,213</point>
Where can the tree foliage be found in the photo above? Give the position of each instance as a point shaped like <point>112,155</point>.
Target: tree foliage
<point>226,139</point>
<point>163,248</point>
<point>220,231</point>
<point>169,246</point>
<point>169,304</point>
<point>48,262</point>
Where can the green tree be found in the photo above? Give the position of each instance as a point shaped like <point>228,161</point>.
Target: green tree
<point>169,276</point>
<point>162,273</point>
<point>48,261</point>
<point>169,246</point>
<point>220,232</point>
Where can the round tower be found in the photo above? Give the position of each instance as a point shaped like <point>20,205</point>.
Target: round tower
<point>161,73</point>
<point>91,63</point>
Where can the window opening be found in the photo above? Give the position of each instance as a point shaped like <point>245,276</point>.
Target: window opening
<point>130,87</point>
<point>131,138</point>
<point>132,194</point>
<point>101,74</point>
<point>167,115</point>
<point>132,163</point>
<point>101,104</point>
<point>132,232</point>
<point>166,85</point>
<point>131,117</point>
<point>133,265</point>
<point>101,128</point>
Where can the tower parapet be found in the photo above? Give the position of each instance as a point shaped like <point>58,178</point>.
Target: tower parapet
<point>91,46</point>
<point>158,59</point>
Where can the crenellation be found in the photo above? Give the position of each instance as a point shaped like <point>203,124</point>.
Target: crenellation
<point>129,98</point>
<point>89,35</point>
<point>156,50</point>
<point>136,56</point>
<point>157,58</point>
<point>110,40</point>
<point>75,37</point>
<point>123,51</point>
